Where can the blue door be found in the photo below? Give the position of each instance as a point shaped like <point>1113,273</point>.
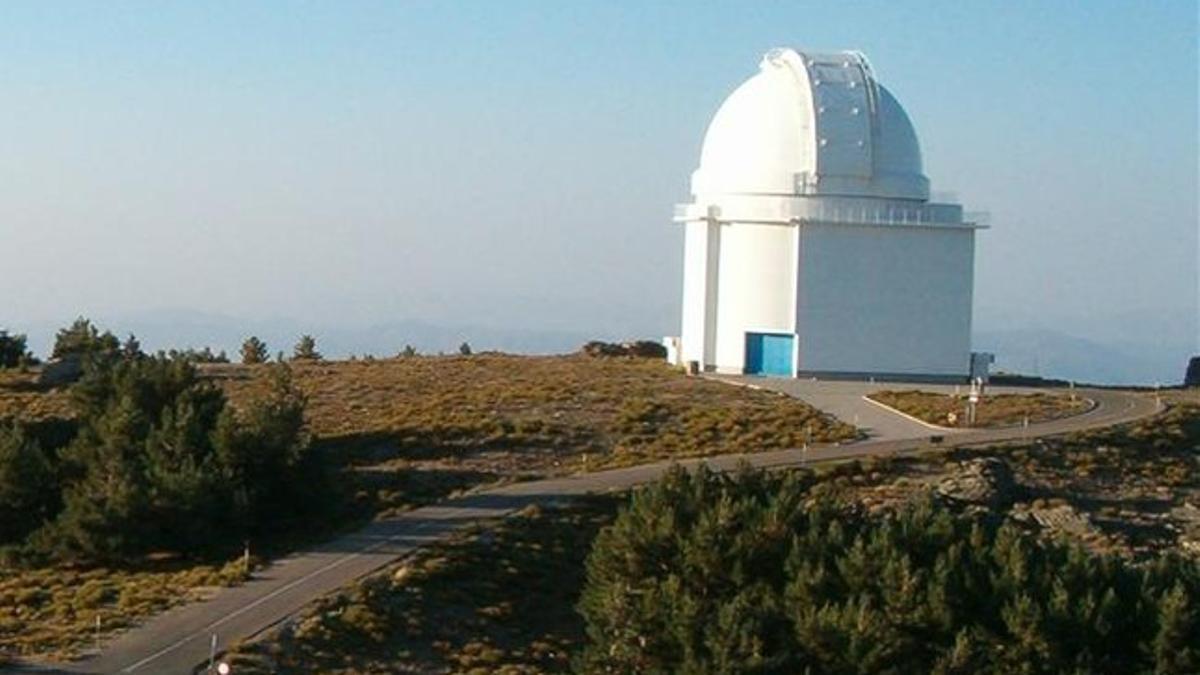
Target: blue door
<point>769,354</point>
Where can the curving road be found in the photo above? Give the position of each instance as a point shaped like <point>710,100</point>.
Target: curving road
<point>179,641</point>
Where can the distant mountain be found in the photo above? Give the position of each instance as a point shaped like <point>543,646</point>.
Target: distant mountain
<point>1055,354</point>
<point>183,329</point>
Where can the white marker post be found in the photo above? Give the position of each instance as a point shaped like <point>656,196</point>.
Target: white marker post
<point>212,653</point>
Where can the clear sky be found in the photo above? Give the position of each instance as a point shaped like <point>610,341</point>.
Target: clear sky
<point>515,163</point>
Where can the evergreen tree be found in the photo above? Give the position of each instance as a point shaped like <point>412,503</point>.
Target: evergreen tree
<point>161,462</point>
<point>464,349</point>
<point>254,351</point>
<point>28,485</point>
<point>131,348</point>
<point>82,338</point>
<point>13,350</point>
<point>706,573</point>
<point>306,349</point>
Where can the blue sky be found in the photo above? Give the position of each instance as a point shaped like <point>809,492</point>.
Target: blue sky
<point>515,163</point>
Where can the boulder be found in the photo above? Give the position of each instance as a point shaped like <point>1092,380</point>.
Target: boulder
<point>987,481</point>
<point>61,371</point>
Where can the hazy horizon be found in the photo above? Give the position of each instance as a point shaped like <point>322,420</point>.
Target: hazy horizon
<point>511,167</point>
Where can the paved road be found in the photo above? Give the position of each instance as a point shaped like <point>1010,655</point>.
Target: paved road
<point>847,402</point>
<point>179,640</point>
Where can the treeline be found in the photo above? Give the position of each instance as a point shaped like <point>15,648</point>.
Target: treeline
<point>157,460</point>
<point>83,337</point>
<point>706,573</point>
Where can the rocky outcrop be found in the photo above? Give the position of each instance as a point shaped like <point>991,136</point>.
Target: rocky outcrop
<point>644,349</point>
<point>987,481</point>
<point>1063,518</point>
<point>62,371</point>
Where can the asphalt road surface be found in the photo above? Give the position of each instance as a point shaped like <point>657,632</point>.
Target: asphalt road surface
<point>180,640</point>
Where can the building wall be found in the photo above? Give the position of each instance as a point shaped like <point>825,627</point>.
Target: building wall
<point>885,299</point>
<point>701,250</point>
<point>756,292</point>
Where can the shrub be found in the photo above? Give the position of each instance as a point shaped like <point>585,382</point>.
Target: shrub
<point>706,573</point>
<point>464,349</point>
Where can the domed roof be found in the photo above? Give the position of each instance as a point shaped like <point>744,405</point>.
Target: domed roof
<point>812,124</point>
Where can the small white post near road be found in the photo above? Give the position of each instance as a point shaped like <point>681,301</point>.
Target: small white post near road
<point>97,633</point>
<point>246,558</point>
<point>1025,430</point>
<point>212,653</point>
<point>973,400</point>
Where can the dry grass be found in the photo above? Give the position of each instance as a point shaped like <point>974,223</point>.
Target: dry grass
<point>499,600</point>
<point>413,430</point>
<point>21,398</point>
<point>539,414</point>
<point>993,410</point>
<point>51,612</point>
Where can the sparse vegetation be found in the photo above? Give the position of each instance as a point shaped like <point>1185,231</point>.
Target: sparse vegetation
<point>492,599</point>
<point>993,410</point>
<point>704,560</point>
<point>408,430</point>
<point>51,612</point>
<point>514,414</point>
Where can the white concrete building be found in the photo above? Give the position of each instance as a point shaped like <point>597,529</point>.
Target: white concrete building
<point>811,246</point>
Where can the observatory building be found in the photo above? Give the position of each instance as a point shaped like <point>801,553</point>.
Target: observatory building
<point>812,247</point>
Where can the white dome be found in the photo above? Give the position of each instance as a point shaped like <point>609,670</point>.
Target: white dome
<point>811,124</point>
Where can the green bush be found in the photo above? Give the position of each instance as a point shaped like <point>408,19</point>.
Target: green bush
<point>705,573</point>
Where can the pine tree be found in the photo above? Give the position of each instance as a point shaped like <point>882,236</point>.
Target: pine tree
<point>1177,643</point>
<point>254,351</point>
<point>13,350</point>
<point>82,338</point>
<point>306,349</point>
<point>28,485</point>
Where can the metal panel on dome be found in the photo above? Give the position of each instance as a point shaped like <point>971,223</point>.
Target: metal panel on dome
<point>842,95</point>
